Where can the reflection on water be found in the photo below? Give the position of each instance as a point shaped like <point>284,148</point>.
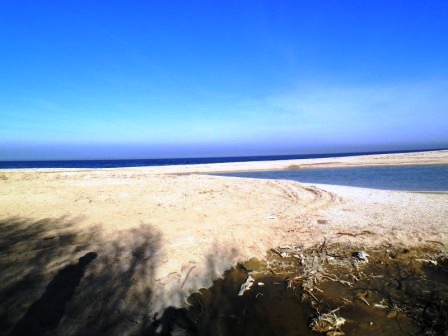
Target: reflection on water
<point>410,178</point>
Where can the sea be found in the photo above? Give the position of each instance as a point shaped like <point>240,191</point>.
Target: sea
<point>94,164</point>
<point>409,178</point>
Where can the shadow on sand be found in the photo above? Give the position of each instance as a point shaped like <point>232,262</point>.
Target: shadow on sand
<point>58,279</point>
<point>46,313</point>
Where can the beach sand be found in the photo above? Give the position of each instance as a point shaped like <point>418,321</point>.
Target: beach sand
<point>118,245</point>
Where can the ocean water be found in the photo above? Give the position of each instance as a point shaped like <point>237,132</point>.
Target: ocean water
<point>84,164</point>
<point>408,178</point>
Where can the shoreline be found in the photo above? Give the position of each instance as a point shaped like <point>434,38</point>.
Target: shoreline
<point>426,158</point>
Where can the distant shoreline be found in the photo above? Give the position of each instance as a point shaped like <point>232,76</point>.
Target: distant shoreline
<point>439,157</point>
<point>156,162</point>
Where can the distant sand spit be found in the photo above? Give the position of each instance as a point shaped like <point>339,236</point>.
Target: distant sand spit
<point>158,237</point>
<point>439,157</point>
<point>415,158</point>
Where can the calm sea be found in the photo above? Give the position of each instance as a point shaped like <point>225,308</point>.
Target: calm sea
<point>409,178</point>
<point>168,162</point>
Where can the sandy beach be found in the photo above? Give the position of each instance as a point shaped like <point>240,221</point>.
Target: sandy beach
<point>140,240</point>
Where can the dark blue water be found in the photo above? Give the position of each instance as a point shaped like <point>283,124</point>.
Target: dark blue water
<point>169,162</point>
<point>410,178</point>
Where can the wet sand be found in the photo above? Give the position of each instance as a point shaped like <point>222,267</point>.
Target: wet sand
<point>141,240</point>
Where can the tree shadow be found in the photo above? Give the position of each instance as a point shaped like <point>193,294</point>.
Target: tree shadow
<point>31,253</point>
<point>59,279</point>
<point>118,288</point>
<point>46,313</point>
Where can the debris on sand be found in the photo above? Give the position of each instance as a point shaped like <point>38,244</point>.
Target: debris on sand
<point>323,289</point>
<point>246,286</point>
<point>429,261</point>
<point>328,323</point>
<point>361,256</point>
<point>318,265</point>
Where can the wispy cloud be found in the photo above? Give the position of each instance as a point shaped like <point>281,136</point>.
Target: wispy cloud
<point>317,115</point>
<point>368,109</point>
<point>113,36</point>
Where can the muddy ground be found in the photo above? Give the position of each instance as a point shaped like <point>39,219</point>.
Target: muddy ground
<point>328,290</point>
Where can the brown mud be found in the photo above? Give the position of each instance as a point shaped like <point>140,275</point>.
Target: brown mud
<point>328,290</point>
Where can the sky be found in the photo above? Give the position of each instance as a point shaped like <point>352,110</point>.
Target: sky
<point>160,79</point>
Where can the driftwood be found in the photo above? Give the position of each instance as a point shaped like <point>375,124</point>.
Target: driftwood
<point>328,323</point>
<point>246,286</point>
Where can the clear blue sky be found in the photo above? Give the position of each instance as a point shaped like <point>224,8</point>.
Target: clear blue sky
<point>148,79</point>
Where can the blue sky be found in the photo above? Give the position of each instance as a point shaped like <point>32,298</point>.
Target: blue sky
<point>154,79</point>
